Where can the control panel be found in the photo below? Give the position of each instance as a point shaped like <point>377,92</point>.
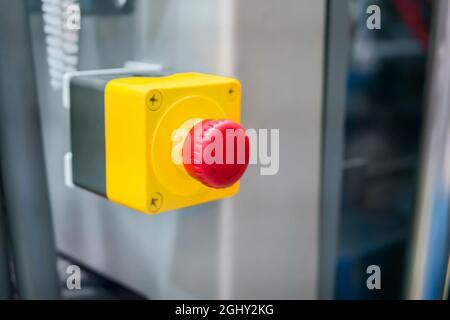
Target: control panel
<point>157,143</point>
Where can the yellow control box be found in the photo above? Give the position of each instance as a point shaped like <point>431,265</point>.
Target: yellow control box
<point>142,116</point>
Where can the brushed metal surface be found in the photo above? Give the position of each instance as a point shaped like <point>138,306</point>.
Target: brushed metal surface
<point>264,242</point>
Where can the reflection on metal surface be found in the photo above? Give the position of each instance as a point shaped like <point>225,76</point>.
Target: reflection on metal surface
<point>382,137</point>
<point>430,250</point>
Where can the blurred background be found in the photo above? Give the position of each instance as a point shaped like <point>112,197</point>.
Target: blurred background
<point>364,122</point>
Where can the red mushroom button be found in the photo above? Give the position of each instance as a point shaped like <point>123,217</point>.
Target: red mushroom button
<point>216,152</point>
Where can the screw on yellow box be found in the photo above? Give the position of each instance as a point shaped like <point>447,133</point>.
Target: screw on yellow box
<point>141,115</point>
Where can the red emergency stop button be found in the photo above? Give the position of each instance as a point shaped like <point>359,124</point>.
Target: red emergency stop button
<point>216,152</point>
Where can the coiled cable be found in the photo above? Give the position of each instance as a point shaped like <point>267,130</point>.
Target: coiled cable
<point>61,27</point>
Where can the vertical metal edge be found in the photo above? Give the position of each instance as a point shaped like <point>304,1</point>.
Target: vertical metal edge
<point>447,283</point>
<point>432,204</point>
<point>23,171</point>
<point>336,62</point>
<point>5,276</point>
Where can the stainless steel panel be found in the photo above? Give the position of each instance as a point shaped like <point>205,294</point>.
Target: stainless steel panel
<point>22,168</point>
<point>264,242</point>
